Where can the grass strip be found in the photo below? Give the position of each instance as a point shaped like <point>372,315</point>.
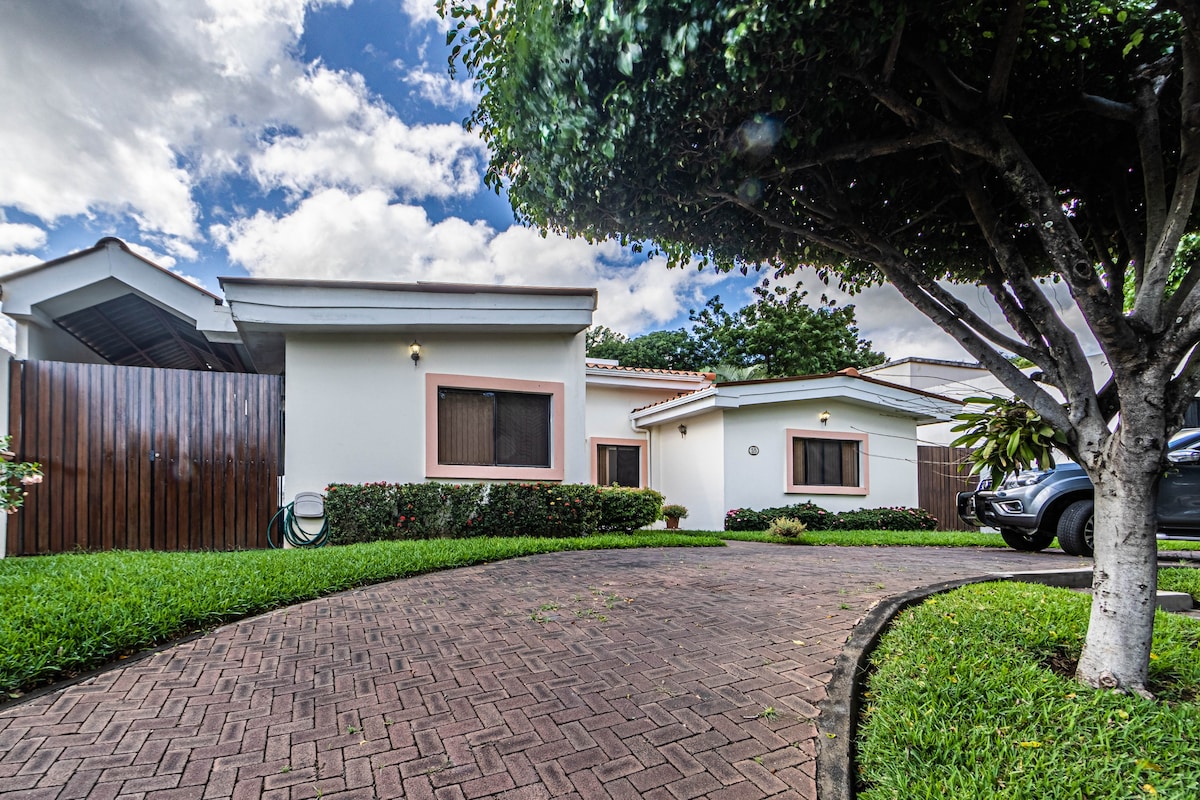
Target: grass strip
<point>1180,579</point>
<point>67,614</point>
<point>963,702</point>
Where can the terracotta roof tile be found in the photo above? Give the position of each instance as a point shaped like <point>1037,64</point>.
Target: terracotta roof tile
<point>651,371</point>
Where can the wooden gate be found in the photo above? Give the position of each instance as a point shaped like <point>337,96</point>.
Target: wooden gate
<point>939,481</point>
<point>144,459</point>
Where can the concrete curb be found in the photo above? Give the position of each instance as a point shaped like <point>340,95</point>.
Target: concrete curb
<point>837,725</point>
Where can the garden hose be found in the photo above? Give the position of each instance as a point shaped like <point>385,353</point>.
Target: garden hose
<point>293,533</point>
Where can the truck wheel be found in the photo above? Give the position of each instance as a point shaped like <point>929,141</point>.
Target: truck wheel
<point>1075,528</point>
<point>1028,541</point>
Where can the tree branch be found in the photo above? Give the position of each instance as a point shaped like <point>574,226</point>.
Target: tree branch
<point>1064,246</point>
<point>1006,50</point>
<point>1043,323</point>
<point>1110,109</point>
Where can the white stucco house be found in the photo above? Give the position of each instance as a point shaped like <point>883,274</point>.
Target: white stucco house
<point>413,382</point>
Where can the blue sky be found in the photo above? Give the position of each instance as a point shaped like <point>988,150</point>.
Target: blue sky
<point>296,138</point>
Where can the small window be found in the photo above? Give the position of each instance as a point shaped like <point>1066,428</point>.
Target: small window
<point>824,462</point>
<point>618,465</point>
<point>821,462</point>
<point>494,429</point>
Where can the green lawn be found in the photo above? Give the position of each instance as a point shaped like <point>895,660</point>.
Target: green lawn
<point>964,702</point>
<point>70,613</point>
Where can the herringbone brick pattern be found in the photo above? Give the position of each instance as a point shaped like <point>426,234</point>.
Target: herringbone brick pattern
<point>668,674</point>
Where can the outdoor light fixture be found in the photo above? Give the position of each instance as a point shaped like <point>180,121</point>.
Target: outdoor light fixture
<point>823,416</point>
<point>682,429</point>
<point>414,350</point>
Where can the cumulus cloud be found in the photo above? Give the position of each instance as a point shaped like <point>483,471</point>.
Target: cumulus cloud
<point>897,328</point>
<point>338,235</point>
<point>16,236</point>
<point>420,11</point>
<point>439,88</point>
<point>125,109</point>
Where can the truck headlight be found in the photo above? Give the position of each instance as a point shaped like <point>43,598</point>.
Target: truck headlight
<point>1026,477</point>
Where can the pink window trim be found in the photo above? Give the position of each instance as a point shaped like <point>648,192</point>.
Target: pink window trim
<point>596,441</point>
<point>433,469</point>
<point>841,436</point>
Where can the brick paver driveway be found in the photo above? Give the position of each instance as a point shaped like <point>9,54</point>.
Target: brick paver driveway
<point>673,673</point>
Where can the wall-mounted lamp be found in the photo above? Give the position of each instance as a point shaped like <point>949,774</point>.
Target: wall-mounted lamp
<point>414,351</point>
<point>682,429</point>
<point>824,417</point>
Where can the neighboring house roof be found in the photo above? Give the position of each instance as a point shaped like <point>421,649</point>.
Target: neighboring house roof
<point>265,310</point>
<point>895,362</point>
<point>847,385</point>
<point>126,309</point>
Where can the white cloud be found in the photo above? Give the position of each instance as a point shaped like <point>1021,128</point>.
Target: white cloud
<point>439,88</point>
<point>364,146</point>
<point>420,11</point>
<point>126,108</point>
<point>895,327</point>
<point>11,262</point>
<point>338,235</point>
<point>20,236</point>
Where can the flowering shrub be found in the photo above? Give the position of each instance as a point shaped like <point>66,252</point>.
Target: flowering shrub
<point>438,510</point>
<point>15,476</point>
<point>813,516</point>
<point>627,510</point>
<point>365,512</point>
<point>816,518</point>
<point>541,509</point>
<point>382,511</point>
<point>897,518</point>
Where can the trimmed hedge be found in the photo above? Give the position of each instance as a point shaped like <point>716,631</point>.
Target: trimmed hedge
<point>816,518</point>
<point>627,510</point>
<point>383,511</point>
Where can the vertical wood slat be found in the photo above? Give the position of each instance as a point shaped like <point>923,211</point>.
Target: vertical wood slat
<point>93,428</point>
<point>939,481</point>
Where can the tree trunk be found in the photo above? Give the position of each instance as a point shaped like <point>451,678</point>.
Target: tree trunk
<point>1117,650</point>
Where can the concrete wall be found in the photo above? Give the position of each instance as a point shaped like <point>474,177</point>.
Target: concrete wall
<point>36,343</point>
<point>760,481</point>
<point>687,469</point>
<point>355,404</point>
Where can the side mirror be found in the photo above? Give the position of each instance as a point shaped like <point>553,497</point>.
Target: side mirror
<point>1186,456</point>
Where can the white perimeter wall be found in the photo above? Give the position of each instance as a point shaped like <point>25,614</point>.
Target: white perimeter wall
<point>608,409</point>
<point>354,404</point>
<point>758,481</point>
<point>687,469</point>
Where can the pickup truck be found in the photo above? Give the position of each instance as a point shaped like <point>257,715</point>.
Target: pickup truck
<point>1033,506</point>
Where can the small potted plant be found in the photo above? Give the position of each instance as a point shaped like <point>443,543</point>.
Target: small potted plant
<point>672,513</point>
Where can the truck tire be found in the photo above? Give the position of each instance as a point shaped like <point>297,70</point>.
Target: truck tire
<point>1029,542</point>
<point>1075,528</point>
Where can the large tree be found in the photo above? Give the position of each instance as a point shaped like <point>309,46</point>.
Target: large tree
<point>677,349</point>
<point>783,334</point>
<point>999,142</point>
<point>778,334</point>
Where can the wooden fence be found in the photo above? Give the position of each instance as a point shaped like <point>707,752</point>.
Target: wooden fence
<point>144,459</point>
<point>939,481</point>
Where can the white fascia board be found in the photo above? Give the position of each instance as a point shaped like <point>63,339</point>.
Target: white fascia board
<point>99,276</point>
<point>669,383</point>
<point>920,407</point>
<point>895,400</point>
<point>682,408</point>
<point>333,308</point>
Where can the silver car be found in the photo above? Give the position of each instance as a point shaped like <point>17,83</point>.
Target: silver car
<point>1033,506</point>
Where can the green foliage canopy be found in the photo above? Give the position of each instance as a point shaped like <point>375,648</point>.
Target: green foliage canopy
<point>776,336</point>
